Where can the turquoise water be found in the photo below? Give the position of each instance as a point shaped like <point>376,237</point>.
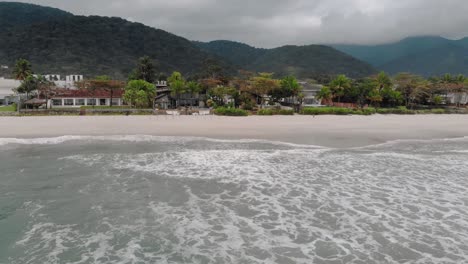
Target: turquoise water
<point>142,199</point>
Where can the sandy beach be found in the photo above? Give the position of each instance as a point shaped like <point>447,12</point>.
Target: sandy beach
<point>329,131</point>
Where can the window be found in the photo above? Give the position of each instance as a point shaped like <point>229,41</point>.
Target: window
<point>80,102</point>
<point>91,101</point>
<point>115,101</point>
<point>68,101</point>
<point>57,102</point>
<point>102,102</point>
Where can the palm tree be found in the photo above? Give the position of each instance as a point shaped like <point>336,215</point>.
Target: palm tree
<point>339,85</point>
<point>383,81</point>
<point>291,87</point>
<point>22,69</point>
<point>193,88</point>
<point>324,94</point>
<point>177,85</point>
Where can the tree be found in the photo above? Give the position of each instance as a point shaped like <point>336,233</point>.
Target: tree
<point>145,70</point>
<point>22,70</point>
<point>339,86</point>
<point>383,81</point>
<point>140,93</point>
<point>193,87</point>
<point>177,85</point>
<point>105,83</point>
<point>28,86</point>
<point>44,87</point>
<point>291,86</point>
<point>262,85</point>
<point>325,94</point>
<point>218,94</point>
<point>413,88</point>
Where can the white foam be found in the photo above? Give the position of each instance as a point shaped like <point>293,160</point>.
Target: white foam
<point>227,205</point>
<point>140,138</point>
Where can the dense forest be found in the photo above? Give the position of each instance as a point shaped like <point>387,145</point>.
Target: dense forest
<point>55,41</point>
<point>302,61</point>
<point>95,45</point>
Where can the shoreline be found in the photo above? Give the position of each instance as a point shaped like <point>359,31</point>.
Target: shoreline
<point>326,131</point>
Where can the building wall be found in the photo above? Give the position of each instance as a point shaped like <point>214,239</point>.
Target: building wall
<point>6,89</point>
<point>78,102</point>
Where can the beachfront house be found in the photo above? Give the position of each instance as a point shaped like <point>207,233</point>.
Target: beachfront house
<point>457,98</point>
<point>71,98</point>
<point>165,100</point>
<point>309,92</point>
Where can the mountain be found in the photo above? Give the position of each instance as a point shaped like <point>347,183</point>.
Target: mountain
<point>238,53</point>
<point>14,14</point>
<point>448,58</point>
<point>378,55</point>
<point>57,42</point>
<point>426,56</point>
<point>301,61</point>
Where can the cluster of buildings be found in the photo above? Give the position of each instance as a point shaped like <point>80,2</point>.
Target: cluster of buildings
<point>67,95</point>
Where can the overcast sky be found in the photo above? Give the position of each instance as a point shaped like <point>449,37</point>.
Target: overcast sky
<point>271,23</point>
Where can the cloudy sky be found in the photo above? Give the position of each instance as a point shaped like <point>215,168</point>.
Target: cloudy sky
<point>271,23</point>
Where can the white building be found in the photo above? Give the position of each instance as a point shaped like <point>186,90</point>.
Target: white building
<point>71,98</point>
<point>6,90</point>
<point>457,98</point>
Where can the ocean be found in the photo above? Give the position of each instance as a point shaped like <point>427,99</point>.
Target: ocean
<point>145,199</point>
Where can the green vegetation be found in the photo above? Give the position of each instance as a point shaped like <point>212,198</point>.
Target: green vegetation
<point>140,94</point>
<point>145,70</point>
<point>10,108</point>
<point>334,111</point>
<point>270,112</point>
<point>22,70</point>
<point>229,111</point>
<point>301,61</point>
<point>62,43</point>
<point>14,14</point>
<point>370,111</point>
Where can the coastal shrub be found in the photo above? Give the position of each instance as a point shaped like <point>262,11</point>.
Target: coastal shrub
<point>225,111</point>
<point>438,111</point>
<point>369,111</point>
<point>265,112</point>
<point>285,112</point>
<point>326,111</point>
<point>269,112</point>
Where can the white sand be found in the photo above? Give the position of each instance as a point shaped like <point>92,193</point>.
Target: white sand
<point>331,131</point>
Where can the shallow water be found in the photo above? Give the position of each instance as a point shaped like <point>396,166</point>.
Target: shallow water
<point>141,199</point>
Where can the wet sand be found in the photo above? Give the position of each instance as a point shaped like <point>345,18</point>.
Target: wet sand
<point>329,131</point>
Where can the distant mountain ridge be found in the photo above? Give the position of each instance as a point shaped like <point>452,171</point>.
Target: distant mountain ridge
<point>302,61</point>
<point>426,55</point>
<point>59,42</point>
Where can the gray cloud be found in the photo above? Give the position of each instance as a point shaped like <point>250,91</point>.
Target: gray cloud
<point>270,23</point>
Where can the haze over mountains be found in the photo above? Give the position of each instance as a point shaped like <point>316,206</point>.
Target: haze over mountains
<point>56,41</point>
<point>427,55</point>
